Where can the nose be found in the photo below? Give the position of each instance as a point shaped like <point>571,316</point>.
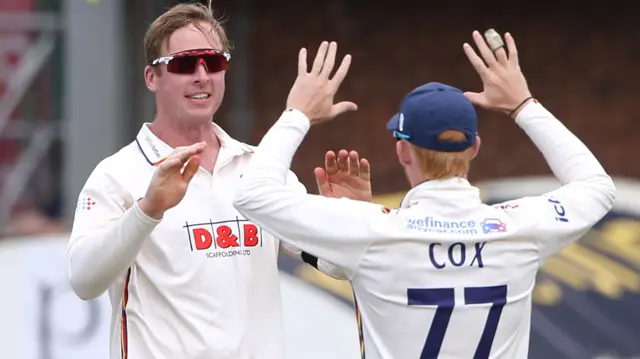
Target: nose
<point>201,71</point>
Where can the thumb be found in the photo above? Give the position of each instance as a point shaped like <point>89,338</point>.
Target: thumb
<point>477,99</point>
<point>342,107</point>
<point>191,168</point>
<point>322,179</point>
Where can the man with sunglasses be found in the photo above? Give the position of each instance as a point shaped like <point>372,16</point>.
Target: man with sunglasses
<point>443,275</point>
<point>188,277</point>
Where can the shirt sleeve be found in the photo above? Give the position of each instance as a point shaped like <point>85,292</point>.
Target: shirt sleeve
<point>587,194</point>
<point>108,231</point>
<point>339,231</point>
<point>318,263</point>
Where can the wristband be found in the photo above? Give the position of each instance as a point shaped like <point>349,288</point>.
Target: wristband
<point>310,259</point>
<point>520,105</point>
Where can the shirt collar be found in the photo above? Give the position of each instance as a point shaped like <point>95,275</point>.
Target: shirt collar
<point>155,150</point>
<point>450,190</point>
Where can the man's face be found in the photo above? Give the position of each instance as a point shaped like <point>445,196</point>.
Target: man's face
<point>175,92</point>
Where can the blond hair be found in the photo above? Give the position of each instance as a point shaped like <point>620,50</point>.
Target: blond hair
<point>443,165</point>
<point>177,17</point>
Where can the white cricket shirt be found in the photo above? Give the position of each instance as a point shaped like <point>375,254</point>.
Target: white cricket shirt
<point>202,283</point>
<point>444,276</point>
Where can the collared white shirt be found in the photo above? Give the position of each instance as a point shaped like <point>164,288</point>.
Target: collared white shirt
<point>444,276</point>
<point>205,282</point>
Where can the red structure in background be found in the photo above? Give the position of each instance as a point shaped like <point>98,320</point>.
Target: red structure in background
<point>12,44</point>
<point>36,103</point>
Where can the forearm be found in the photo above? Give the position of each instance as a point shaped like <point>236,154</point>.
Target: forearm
<point>337,230</point>
<point>97,259</point>
<point>569,159</point>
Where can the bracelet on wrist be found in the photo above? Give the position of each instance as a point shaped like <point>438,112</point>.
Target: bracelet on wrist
<point>520,105</point>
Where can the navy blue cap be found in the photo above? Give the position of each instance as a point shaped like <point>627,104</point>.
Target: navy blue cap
<point>432,109</point>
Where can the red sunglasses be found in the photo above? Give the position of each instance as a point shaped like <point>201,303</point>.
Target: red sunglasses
<point>186,62</point>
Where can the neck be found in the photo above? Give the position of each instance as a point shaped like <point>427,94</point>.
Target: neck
<point>176,133</point>
<point>417,177</point>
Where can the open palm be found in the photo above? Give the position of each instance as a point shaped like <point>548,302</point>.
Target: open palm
<point>345,175</point>
<point>504,86</point>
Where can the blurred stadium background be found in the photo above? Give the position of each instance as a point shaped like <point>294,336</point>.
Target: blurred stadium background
<point>72,92</point>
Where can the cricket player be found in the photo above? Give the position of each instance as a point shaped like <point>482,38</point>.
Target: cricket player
<point>443,275</point>
<point>187,275</point>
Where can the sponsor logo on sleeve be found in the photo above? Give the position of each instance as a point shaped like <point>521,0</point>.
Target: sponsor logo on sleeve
<point>560,212</point>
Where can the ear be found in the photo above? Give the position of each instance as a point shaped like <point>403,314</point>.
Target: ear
<point>150,75</point>
<point>403,151</point>
<point>476,147</point>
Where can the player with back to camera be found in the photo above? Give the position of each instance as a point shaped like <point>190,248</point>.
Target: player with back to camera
<point>187,276</point>
<point>443,275</point>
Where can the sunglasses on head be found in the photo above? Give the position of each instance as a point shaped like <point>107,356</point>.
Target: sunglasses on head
<point>188,61</point>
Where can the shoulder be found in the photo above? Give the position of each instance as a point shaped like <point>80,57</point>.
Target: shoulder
<point>119,166</point>
<point>524,212</point>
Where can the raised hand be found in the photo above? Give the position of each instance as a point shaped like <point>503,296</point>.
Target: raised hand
<point>345,175</point>
<point>313,91</point>
<point>505,87</point>
<point>171,179</point>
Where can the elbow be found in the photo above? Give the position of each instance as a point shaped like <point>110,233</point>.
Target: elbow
<point>82,284</point>
<point>245,196</point>
<point>86,293</point>
<point>240,200</point>
<point>254,195</point>
<point>606,188</point>
<point>609,191</point>
<point>84,288</point>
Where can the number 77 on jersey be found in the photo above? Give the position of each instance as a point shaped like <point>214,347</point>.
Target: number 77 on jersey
<point>444,300</point>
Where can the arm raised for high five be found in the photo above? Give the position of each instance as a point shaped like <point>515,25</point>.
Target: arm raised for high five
<point>339,230</point>
<point>561,216</point>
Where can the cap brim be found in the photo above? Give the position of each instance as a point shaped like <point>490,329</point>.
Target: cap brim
<point>393,124</point>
